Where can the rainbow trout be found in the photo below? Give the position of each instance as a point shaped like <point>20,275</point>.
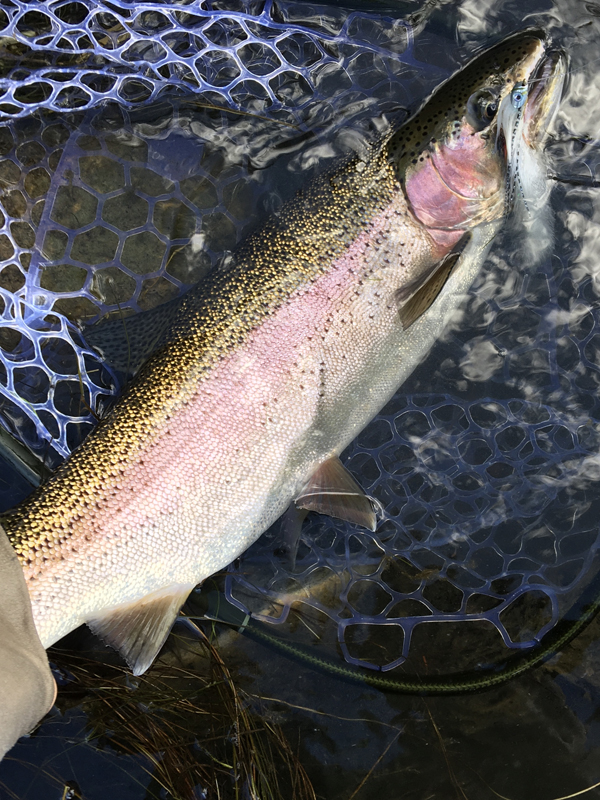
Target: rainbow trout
<point>272,367</point>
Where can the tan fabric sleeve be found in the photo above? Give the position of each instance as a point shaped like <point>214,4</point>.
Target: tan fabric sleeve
<point>27,688</point>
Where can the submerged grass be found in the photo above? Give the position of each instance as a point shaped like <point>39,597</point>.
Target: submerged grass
<point>197,733</point>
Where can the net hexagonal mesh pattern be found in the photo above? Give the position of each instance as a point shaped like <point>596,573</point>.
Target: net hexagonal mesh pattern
<point>269,53</point>
<point>490,495</point>
<point>121,189</point>
<point>114,200</point>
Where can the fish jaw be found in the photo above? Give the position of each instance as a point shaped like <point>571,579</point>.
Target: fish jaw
<point>525,133</point>
<point>544,96</point>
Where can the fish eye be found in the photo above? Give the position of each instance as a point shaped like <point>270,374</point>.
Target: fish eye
<point>519,96</point>
<point>481,109</point>
<point>489,112</point>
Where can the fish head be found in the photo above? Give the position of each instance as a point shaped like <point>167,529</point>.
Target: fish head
<point>474,146</point>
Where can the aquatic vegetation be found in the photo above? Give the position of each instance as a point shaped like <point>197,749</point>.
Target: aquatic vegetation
<point>193,730</point>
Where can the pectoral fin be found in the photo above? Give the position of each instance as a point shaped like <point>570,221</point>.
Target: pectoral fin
<point>332,490</point>
<point>139,630</point>
<point>414,300</point>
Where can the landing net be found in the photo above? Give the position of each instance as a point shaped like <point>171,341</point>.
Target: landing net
<point>138,143</point>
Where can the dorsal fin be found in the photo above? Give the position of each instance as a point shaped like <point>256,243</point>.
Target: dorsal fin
<point>22,459</point>
<point>412,304</point>
<point>332,490</point>
<point>27,688</point>
<point>126,342</point>
<point>139,630</point>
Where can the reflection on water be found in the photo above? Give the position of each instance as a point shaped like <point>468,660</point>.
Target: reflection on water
<point>487,462</point>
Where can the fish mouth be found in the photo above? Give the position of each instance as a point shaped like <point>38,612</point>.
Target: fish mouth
<point>545,92</point>
<point>524,119</point>
<point>542,92</point>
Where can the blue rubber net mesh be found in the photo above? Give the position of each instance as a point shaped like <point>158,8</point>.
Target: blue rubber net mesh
<point>126,177</point>
<point>103,211</point>
<point>489,488</point>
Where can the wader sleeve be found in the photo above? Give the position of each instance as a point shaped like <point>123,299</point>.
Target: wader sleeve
<point>27,688</point>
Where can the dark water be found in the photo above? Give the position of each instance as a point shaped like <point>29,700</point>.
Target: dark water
<point>536,738</point>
